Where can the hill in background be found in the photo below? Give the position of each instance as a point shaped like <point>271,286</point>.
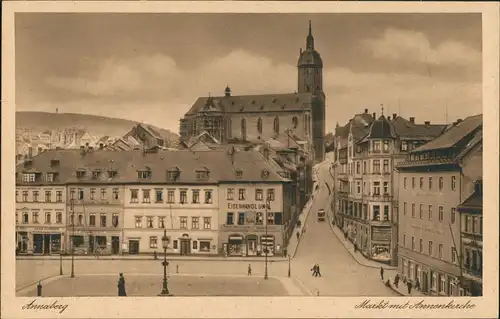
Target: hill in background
<point>95,125</point>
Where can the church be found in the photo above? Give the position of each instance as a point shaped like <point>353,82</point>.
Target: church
<point>250,118</point>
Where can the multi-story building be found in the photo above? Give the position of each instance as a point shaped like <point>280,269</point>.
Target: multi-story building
<point>471,229</point>
<point>435,179</point>
<point>365,196</point>
<point>41,205</point>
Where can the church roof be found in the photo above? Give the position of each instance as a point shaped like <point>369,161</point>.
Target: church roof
<point>310,57</point>
<point>252,103</point>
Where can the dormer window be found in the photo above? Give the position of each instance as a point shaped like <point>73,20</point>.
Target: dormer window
<point>144,174</point>
<point>29,177</point>
<point>50,177</point>
<point>239,173</point>
<point>265,174</point>
<point>54,162</point>
<point>173,174</point>
<point>202,174</point>
<point>95,174</point>
<point>112,173</point>
<point>80,173</point>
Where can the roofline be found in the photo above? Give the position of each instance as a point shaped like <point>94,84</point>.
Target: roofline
<point>158,183</point>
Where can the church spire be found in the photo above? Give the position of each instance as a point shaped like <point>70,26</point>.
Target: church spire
<point>310,38</point>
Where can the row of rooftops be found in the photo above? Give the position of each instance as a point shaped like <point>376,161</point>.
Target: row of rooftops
<point>160,167</point>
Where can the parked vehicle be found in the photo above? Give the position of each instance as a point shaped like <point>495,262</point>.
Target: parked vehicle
<point>321,215</point>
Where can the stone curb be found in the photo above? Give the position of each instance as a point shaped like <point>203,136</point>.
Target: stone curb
<point>104,258</point>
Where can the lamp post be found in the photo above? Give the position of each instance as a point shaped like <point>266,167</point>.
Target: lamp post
<point>289,266</point>
<point>164,242</point>
<point>72,239</point>
<point>60,260</point>
<point>266,250</point>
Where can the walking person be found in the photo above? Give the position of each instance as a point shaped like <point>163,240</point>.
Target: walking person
<point>396,280</point>
<point>409,287</point>
<point>298,235</point>
<point>382,273</point>
<point>318,273</point>
<point>155,255</point>
<point>249,270</point>
<point>285,253</point>
<point>121,286</point>
<point>314,270</point>
<point>417,284</point>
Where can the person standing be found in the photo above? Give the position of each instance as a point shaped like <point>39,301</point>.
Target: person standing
<point>314,271</point>
<point>298,235</point>
<point>121,286</point>
<point>318,272</point>
<point>417,284</point>
<point>249,270</point>
<point>409,287</point>
<point>396,280</point>
<point>382,273</point>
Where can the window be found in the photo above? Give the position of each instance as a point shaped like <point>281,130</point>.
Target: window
<point>376,212</point>
<point>230,219</point>
<point>430,212</point>
<point>404,182</point>
<point>239,173</point>
<point>430,248</point>
<point>259,194</point>
<point>386,146</point>
<point>386,188</point>
<point>440,251</point>
<point>91,219</point>
<point>59,216</point>
<point>441,214</point>
<point>364,168</point>
<point>404,146</point>
<point>25,218</point>
<point>230,194</point>
<point>207,222</point>
<point>201,175</point>
<point>413,182</point>
<point>376,146</point>
<point>386,212</point>
<point>103,220</point>
<point>208,196</point>
<point>412,243</point>
<point>48,196</point>
<point>421,246</point>
<point>103,194</point>
<point>29,178</point>
<point>270,195</point>
<point>48,218</point>
<point>195,244</point>
<point>196,196</point>
<point>358,167</point>
<point>404,208</point>
<point>159,196</point>
<point>270,218</point>
<point>276,125</point>
<point>241,218</point>
<point>259,125</point>
<point>92,194</point>
<point>468,224</point>
<point>259,219</point>
<point>175,244</point>
<point>421,211</point>
<point>376,188</point>
<point>376,166</point>
<point>161,222</point>
<point>134,195</point>
<point>204,246</point>
<point>115,194</point>
<point>146,196</point>
<point>358,187</point>
<point>184,222</point>
<point>35,196</point>
<point>25,196</point>
<point>35,217</point>
<point>171,196</point>
<point>453,215</point>
<point>195,222</point>
<point>72,193</point>
<point>413,210</point>
<point>442,286</point>
<point>453,183</point>
<point>430,183</point>
<point>80,220</point>
<point>59,196</point>
<point>386,166</point>
<point>183,195</point>
<point>172,175</point>
<point>115,220</point>
<point>153,242</point>
<point>241,194</point>
<point>143,174</point>
<point>440,183</point>
<point>421,183</point>
<point>404,240</point>
<point>138,222</point>
<point>434,281</point>
<point>453,255</point>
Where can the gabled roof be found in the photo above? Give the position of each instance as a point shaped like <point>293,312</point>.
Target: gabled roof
<point>407,130</point>
<point>253,103</point>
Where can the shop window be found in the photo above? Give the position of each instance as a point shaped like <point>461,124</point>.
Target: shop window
<point>278,218</point>
<point>241,218</point>
<point>153,242</point>
<point>434,281</point>
<point>204,246</point>
<point>259,219</point>
<point>77,241</point>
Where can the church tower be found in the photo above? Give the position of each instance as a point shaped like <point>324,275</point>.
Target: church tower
<point>310,80</point>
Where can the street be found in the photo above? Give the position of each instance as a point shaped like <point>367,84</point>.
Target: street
<point>341,274</point>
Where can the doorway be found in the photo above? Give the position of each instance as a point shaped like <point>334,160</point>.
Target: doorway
<point>133,247</point>
<point>91,243</point>
<point>185,246</point>
<point>115,245</point>
<point>46,244</point>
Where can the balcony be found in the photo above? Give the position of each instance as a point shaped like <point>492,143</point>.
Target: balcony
<point>377,222</point>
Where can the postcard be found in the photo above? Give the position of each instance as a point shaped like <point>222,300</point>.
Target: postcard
<point>249,159</point>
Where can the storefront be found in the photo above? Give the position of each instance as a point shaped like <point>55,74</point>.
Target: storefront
<point>22,242</point>
<point>47,243</point>
<point>91,242</point>
<point>235,245</point>
<point>380,248</point>
<point>252,242</point>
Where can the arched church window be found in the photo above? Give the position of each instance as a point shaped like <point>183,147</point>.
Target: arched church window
<point>276,125</point>
<point>259,125</point>
<point>243,129</point>
<point>295,122</point>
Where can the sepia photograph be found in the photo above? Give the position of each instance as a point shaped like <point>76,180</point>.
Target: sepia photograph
<point>251,154</point>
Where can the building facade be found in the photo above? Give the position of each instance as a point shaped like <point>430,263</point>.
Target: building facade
<point>40,207</point>
<point>434,179</point>
<point>232,118</point>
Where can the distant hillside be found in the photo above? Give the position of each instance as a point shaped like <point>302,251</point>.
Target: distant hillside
<point>96,125</point>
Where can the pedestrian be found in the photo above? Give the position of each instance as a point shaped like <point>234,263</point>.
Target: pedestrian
<point>285,252</point>
<point>121,286</point>
<point>409,287</point>
<point>249,270</point>
<point>97,252</point>
<point>314,271</point>
<point>382,273</point>
<point>396,280</point>
<point>304,230</point>
<point>298,235</point>
<point>318,273</point>
<point>155,255</point>
<point>417,284</point>
<point>355,247</point>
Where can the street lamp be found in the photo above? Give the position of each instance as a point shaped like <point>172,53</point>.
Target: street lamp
<point>289,266</point>
<point>72,202</point>
<point>164,242</point>
<point>266,250</point>
<point>60,259</point>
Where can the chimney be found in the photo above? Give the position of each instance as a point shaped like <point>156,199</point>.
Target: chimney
<point>427,122</point>
<point>412,120</point>
<point>374,115</point>
<point>394,115</point>
<point>101,146</point>
<point>30,152</point>
<point>366,111</point>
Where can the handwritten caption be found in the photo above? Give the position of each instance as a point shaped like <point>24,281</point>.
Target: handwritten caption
<point>418,305</point>
<point>34,305</point>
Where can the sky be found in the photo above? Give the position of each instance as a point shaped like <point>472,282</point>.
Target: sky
<point>153,67</point>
